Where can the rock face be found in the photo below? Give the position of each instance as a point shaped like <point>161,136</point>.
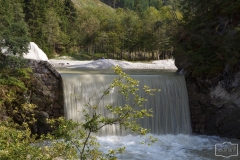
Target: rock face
<point>46,91</point>
<point>215,105</point>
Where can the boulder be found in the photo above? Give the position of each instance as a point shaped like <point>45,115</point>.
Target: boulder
<point>41,126</point>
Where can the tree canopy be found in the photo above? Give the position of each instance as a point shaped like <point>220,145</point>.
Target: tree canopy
<point>208,37</point>
<point>81,29</point>
<point>203,33</point>
<point>14,36</point>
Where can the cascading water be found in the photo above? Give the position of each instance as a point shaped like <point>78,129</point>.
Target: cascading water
<point>170,106</point>
<point>170,123</point>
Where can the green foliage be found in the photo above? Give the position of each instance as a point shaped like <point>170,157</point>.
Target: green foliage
<point>71,140</point>
<point>208,37</point>
<point>17,142</point>
<point>51,24</point>
<point>14,81</point>
<point>14,71</point>
<point>137,5</point>
<point>125,116</point>
<point>88,27</point>
<point>14,35</point>
<point>65,27</point>
<point>16,138</point>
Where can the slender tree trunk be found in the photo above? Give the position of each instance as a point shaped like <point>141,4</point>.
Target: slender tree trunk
<point>113,53</point>
<point>152,55</point>
<point>114,4</point>
<point>144,51</point>
<point>135,54</point>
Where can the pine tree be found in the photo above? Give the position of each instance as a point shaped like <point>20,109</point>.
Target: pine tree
<point>35,15</point>
<point>13,30</point>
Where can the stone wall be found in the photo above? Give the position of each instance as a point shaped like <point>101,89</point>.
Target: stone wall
<point>46,91</point>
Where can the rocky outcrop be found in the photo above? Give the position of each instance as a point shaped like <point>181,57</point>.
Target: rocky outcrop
<point>215,105</point>
<point>46,94</point>
<point>46,91</point>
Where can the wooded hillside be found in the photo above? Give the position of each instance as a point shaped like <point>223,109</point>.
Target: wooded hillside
<point>204,34</point>
<point>90,29</point>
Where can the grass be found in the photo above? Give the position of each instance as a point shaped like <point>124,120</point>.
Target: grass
<point>91,3</point>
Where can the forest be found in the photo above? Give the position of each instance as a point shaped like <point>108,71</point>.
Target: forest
<point>204,33</point>
<point>132,30</point>
<point>87,31</point>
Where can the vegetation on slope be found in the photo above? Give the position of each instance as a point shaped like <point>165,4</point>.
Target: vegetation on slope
<point>90,28</point>
<point>136,5</point>
<point>206,33</point>
<point>91,3</point>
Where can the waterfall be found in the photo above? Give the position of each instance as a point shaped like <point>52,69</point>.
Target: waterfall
<point>170,106</point>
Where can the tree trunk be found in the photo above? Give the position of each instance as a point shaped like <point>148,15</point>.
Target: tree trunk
<point>152,55</point>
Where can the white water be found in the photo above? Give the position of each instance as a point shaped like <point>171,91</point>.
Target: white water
<point>172,144</point>
<point>170,106</point>
<point>168,147</point>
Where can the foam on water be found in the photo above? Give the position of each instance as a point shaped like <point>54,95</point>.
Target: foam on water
<point>168,147</point>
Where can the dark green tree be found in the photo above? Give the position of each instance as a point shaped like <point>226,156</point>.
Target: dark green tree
<point>60,15</point>
<point>14,36</point>
<point>208,37</point>
<point>70,25</point>
<point>35,15</point>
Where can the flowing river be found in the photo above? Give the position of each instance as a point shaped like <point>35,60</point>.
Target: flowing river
<point>170,123</point>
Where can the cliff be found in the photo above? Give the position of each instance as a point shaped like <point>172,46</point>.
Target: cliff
<point>215,105</point>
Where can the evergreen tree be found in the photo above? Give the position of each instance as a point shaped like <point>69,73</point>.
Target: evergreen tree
<point>52,30</point>
<point>70,14</point>
<point>13,30</point>
<point>42,14</point>
<point>35,15</point>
